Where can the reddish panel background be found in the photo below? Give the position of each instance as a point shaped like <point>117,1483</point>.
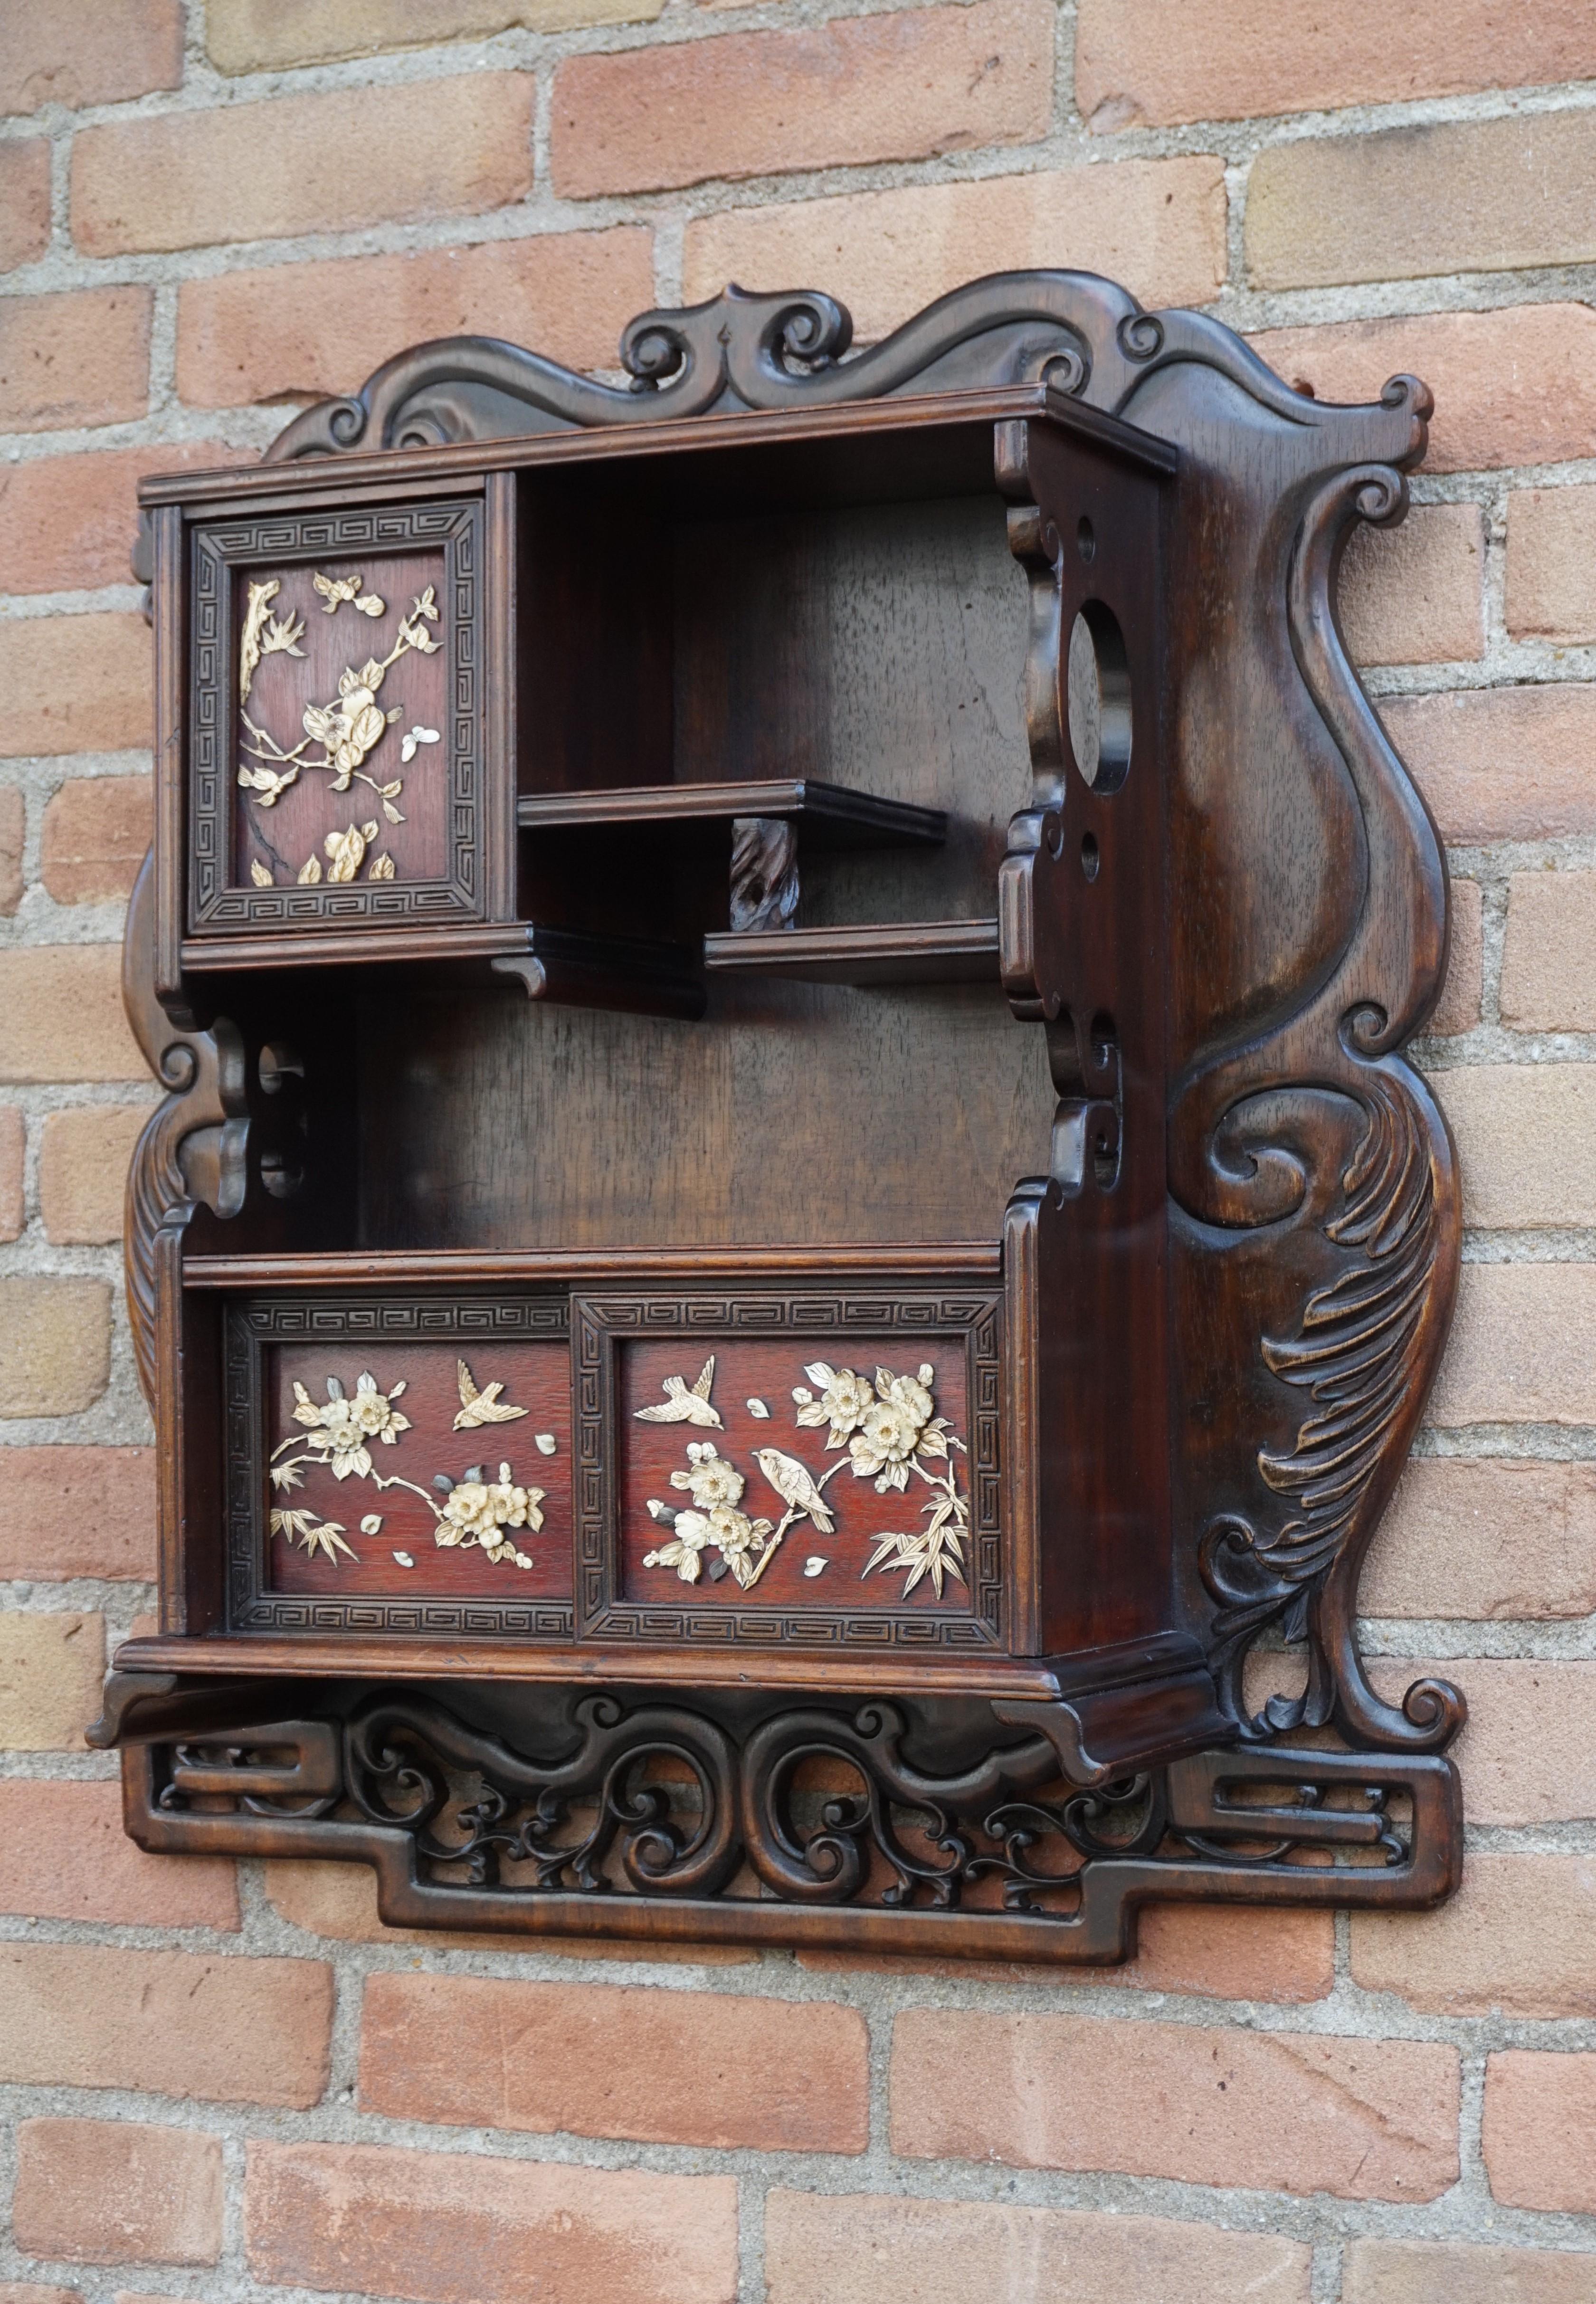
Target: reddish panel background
<point>295,826</point>
<point>536,1376</point>
<point>767,1368</point>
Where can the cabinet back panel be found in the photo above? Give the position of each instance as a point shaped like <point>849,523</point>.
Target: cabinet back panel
<point>791,1112</point>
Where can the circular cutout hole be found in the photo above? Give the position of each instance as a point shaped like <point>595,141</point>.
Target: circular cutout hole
<point>1089,856</point>
<point>278,1065</point>
<point>1098,687</point>
<point>1085,538</point>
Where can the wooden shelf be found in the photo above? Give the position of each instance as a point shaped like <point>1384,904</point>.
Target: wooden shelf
<point>583,971</point>
<point>897,952</point>
<point>831,815</point>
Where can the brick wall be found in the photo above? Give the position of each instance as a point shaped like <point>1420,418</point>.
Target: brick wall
<point>230,2082</point>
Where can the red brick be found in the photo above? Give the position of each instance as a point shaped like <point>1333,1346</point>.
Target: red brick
<point>52,1664</point>
<point>62,1017</point>
<point>1458,1008</point>
<point>437,148</point>
<point>78,1512</point>
<point>1551,593</point>
<point>1157,224</point>
<point>74,683</point>
<point>1152,63</point>
<point>81,357</point>
<point>172,2023</point>
<point>282,332</point>
<point>1517,386</point>
<point>244,36</point>
<point>83,1171</point>
<point>1417,594</point>
<point>1501,763</point>
<point>25,2291</point>
<point>1476,1537</point>
<point>1528,1752</point>
<point>1522,1347</point>
<point>1538,2135</point>
<point>1420,2271</point>
<point>1364,2119</point>
<point>1223,1952</point>
<point>1549,960</point>
<point>96,832</point>
<point>14,834</point>
<point>13,1153</point>
<point>1404,203</point>
<point>101,54</point>
<point>441,2228</point>
<point>24,200</point>
<point>900,87</point>
<point>65,1855</point>
<point>659,2066</point>
<point>1526,1139</point>
<point>105,2191</point>
<point>1516,1940</point>
<point>67,523</point>
<point>860,2248</point>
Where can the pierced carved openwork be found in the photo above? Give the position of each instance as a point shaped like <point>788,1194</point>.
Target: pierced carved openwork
<point>798,1429</point>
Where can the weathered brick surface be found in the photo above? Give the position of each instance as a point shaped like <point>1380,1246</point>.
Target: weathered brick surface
<point>172,2023</point>
<point>1458,1007</point>
<point>78,358</point>
<point>13,1152</point>
<point>1364,2120</point>
<point>62,1017</point>
<point>84,1170</point>
<point>94,56</point>
<point>1528,1750</point>
<point>1551,583</point>
<point>27,2291</point>
<point>259,336</point>
<point>78,1512</point>
<point>63,1855</point>
<point>1517,386</point>
<point>24,201</point>
<point>1521,1349</point>
<point>1515,1939</point>
<point>1549,960</point>
<point>901,85</point>
<point>55,1345</point>
<point>1527,1136</point>
<point>67,523</point>
<point>862,2249</point>
<point>454,2230</point>
<point>1148,62</point>
<point>1477,1538</point>
<point>74,683</point>
<point>1157,224</point>
<point>661,2067</point>
<point>13,830</point>
<point>242,36</point>
<point>1481,196</point>
<point>1501,763</point>
<point>1540,2129</point>
<point>1421,2272</point>
<point>303,164</point>
<point>1417,594</point>
<point>95,831</point>
<point>51,1665</point>
<point>111,2191</point>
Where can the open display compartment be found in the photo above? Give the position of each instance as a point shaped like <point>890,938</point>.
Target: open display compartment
<point>950,1253</point>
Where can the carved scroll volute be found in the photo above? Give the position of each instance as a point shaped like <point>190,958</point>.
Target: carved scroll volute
<point>193,1148</point>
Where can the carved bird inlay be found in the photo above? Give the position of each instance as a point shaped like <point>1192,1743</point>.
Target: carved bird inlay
<point>682,1404</point>
<point>794,1484</point>
<point>483,1407</point>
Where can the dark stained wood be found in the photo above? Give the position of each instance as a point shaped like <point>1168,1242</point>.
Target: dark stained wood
<point>1080,917</point>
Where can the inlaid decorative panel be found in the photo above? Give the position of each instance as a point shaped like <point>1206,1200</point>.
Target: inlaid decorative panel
<point>772,1465</point>
<point>372,1469</point>
<point>336,745</point>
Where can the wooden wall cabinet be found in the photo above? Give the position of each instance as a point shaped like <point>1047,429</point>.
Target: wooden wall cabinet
<point>791,1247</point>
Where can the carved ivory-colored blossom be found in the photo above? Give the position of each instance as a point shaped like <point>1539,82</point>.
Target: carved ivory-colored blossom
<point>477,1512</point>
<point>897,1423</point>
<point>341,1427</point>
<point>844,1401</point>
<point>709,1478</point>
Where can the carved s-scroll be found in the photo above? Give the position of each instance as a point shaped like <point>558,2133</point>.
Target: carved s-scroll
<point>1249,1137</point>
<point>194,1143</point>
